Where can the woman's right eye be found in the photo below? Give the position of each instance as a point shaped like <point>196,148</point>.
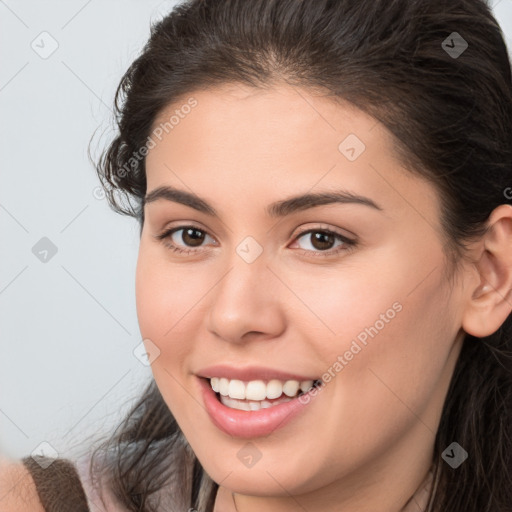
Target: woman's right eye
<point>183,239</point>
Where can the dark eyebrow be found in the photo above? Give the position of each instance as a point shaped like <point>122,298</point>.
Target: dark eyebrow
<point>277,209</point>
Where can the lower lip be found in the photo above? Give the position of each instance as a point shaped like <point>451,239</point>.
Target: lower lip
<point>248,424</point>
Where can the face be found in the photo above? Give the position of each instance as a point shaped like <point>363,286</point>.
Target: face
<point>348,293</point>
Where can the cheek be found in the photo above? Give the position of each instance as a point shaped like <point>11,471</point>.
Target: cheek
<point>166,295</point>
<point>394,351</point>
<point>168,302</point>
<point>387,307</point>
<point>387,334</point>
<point>165,299</point>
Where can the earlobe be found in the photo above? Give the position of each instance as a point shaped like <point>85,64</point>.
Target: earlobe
<point>490,302</point>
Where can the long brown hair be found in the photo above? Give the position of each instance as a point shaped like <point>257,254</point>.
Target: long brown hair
<point>450,112</point>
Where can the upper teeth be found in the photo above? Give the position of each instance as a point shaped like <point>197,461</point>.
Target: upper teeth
<point>258,389</point>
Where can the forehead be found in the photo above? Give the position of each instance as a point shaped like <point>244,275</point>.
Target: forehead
<point>280,141</point>
<point>267,119</point>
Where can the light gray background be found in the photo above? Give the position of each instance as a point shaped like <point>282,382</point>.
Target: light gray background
<point>68,326</point>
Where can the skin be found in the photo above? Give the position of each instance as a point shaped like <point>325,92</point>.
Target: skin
<point>18,492</point>
<point>365,442</point>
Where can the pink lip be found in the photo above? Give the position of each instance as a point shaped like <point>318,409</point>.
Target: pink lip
<point>249,373</point>
<point>249,424</point>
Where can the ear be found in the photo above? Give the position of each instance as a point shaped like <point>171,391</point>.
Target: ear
<point>490,301</point>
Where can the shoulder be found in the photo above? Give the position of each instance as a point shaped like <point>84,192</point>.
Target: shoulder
<point>57,483</point>
<point>18,492</point>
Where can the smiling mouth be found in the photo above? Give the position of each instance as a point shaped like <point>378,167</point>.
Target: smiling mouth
<point>258,394</point>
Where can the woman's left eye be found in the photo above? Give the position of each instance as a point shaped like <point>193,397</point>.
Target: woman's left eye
<point>185,239</point>
<point>323,240</point>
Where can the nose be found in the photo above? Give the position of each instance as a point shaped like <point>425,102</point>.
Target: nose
<point>246,304</point>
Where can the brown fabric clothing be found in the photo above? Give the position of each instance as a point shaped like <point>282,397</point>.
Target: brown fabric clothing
<point>58,485</point>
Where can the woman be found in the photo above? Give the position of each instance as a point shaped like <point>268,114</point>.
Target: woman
<point>324,273</point>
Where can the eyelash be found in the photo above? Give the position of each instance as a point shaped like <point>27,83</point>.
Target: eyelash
<point>348,244</point>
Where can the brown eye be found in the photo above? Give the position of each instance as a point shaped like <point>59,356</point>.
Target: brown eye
<point>321,240</point>
<point>184,239</point>
<point>192,237</point>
